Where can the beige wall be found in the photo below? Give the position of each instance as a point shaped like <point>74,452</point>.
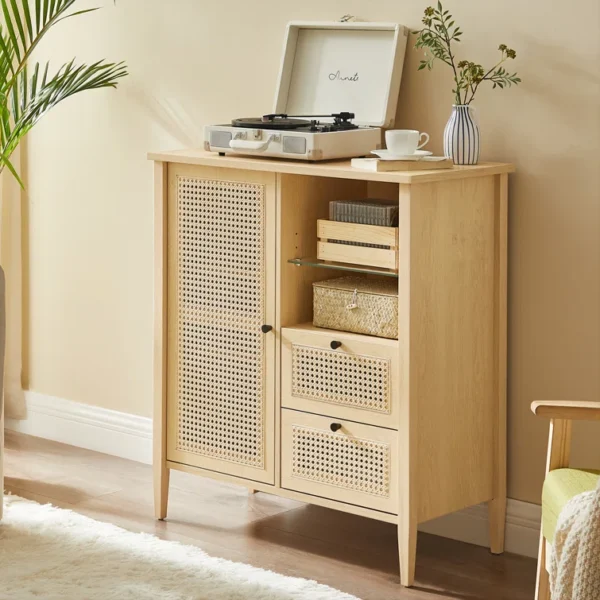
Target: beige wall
<point>192,62</point>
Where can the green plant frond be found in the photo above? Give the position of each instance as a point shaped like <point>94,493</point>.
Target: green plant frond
<point>27,93</point>
<point>439,37</point>
<point>6,57</point>
<point>38,97</point>
<point>27,18</point>
<point>5,161</point>
<point>79,12</point>
<point>15,46</point>
<point>24,26</point>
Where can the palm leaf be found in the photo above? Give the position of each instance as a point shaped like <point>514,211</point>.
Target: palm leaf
<point>18,21</point>
<point>37,98</point>
<point>47,14</point>
<point>25,99</point>
<point>8,21</point>
<point>5,162</point>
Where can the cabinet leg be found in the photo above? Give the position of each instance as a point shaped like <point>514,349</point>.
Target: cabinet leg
<point>407,549</point>
<point>161,491</point>
<point>542,585</point>
<point>497,519</point>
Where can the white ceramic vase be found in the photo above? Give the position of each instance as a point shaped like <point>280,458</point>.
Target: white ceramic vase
<point>461,136</point>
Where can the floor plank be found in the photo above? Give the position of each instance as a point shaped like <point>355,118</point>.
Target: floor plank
<point>351,553</point>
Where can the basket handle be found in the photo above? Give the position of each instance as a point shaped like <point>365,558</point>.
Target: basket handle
<point>353,303</point>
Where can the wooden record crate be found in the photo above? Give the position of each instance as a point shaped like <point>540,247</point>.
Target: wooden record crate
<point>343,242</point>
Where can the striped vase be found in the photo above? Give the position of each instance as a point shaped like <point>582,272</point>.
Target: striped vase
<point>461,136</point>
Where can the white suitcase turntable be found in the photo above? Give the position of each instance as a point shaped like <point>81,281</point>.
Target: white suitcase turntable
<point>338,86</point>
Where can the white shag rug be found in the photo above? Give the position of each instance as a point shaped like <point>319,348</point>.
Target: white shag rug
<point>49,553</point>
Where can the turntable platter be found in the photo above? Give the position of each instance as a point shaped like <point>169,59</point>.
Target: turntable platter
<point>272,123</point>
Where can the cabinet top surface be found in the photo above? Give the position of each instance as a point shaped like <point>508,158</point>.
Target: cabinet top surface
<point>333,168</point>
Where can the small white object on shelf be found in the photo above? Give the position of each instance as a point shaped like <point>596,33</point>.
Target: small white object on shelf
<point>387,165</point>
<point>405,141</point>
<point>388,155</point>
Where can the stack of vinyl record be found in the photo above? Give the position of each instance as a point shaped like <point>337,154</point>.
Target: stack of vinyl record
<point>365,212</point>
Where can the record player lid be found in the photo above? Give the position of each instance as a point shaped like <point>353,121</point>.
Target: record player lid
<point>332,67</point>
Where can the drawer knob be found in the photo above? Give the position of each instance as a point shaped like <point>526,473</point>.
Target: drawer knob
<point>335,345</point>
<point>266,328</point>
<point>335,427</point>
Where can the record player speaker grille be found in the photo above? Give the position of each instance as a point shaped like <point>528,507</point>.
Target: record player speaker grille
<point>294,145</point>
<point>220,139</point>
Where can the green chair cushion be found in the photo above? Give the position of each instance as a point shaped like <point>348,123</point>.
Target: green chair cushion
<point>560,486</point>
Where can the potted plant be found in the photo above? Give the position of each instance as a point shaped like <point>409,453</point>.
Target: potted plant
<point>438,38</point>
<point>28,90</point>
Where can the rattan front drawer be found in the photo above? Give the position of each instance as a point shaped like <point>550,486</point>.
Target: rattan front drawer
<point>339,460</point>
<point>358,380</point>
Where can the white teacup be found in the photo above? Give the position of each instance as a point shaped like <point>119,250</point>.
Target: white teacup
<point>404,141</point>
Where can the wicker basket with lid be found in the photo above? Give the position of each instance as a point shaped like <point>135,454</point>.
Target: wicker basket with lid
<point>366,305</point>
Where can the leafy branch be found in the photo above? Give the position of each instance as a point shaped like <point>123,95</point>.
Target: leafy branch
<point>437,39</point>
<point>25,98</point>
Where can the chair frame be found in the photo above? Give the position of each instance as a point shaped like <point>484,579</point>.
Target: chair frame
<point>561,414</point>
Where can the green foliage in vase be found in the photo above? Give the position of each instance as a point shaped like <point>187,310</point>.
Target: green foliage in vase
<point>439,37</point>
<point>28,90</point>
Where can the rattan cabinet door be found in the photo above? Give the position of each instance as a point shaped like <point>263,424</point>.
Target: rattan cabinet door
<point>221,280</point>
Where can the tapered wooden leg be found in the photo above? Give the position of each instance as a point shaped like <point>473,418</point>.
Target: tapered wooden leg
<point>407,549</point>
<point>497,519</point>
<point>497,506</point>
<point>252,491</point>
<point>161,491</point>
<point>542,585</point>
<point>159,446</point>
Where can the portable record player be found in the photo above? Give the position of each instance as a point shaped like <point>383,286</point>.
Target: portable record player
<point>338,86</point>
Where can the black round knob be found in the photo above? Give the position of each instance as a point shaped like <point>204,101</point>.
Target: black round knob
<point>266,328</point>
<point>335,427</point>
<point>335,345</point>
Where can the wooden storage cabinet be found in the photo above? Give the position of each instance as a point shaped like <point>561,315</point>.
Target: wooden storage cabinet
<point>247,390</point>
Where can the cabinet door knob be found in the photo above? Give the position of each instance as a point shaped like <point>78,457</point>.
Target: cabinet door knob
<point>335,345</point>
<point>335,427</point>
<point>266,328</point>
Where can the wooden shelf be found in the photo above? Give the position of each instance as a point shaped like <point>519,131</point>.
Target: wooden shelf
<point>325,264</point>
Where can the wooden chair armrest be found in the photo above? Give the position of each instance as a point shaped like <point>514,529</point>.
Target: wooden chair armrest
<point>567,409</point>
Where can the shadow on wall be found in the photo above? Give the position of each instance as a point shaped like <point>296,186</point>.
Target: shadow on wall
<point>169,115</point>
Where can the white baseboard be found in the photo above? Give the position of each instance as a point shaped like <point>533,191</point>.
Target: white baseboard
<point>471,525</point>
<point>86,426</point>
<point>130,436</point>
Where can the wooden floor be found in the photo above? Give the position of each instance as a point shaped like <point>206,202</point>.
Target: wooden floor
<point>350,553</point>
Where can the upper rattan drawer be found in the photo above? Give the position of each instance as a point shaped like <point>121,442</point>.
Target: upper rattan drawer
<point>342,375</point>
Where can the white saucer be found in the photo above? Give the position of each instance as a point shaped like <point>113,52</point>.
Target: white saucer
<point>387,155</point>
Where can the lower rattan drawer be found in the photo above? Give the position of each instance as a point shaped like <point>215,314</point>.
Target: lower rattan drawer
<point>346,375</point>
<point>339,460</point>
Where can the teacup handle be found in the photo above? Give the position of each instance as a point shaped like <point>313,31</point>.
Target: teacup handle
<point>425,142</point>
